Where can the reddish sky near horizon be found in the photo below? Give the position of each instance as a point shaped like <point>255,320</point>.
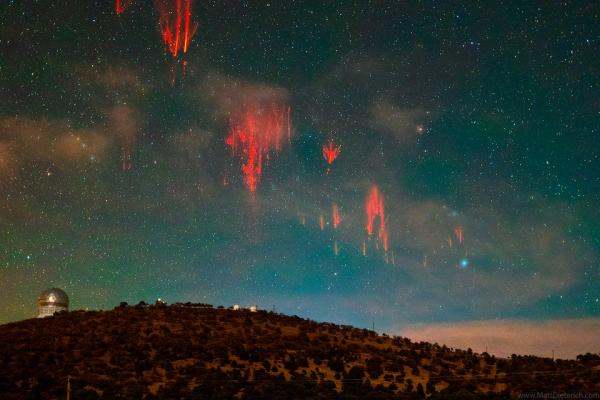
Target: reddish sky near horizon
<point>559,338</point>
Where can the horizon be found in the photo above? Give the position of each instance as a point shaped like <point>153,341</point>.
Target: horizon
<point>556,345</point>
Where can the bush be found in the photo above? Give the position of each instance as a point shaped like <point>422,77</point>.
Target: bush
<point>374,368</point>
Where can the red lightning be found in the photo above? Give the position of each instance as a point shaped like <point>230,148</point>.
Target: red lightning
<point>374,208</point>
<point>253,135</point>
<point>331,151</point>
<point>122,5</point>
<point>176,27</point>
<point>289,126</point>
<point>126,162</point>
<point>459,234</point>
<point>187,33</point>
<point>383,235</point>
<point>336,216</point>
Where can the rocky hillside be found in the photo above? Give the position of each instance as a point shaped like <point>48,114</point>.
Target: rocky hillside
<point>199,352</point>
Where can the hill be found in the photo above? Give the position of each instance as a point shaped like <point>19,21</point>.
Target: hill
<point>199,352</point>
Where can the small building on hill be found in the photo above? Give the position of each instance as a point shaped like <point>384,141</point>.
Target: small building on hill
<point>51,301</point>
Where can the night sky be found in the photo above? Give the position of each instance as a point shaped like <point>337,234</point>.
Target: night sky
<point>477,119</point>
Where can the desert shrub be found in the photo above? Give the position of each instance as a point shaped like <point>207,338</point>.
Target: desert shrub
<point>336,364</point>
<point>374,368</point>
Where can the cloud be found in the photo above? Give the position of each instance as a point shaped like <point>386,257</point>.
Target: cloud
<point>114,80</point>
<point>100,90</point>
<point>8,163</point>
<point>518,259</point>
<point>567,337</point>
<point>515,261</point>
<point>55,141</point>
<point>79,145</point>
<point>365,104</point>
<point>125,122</point>
<point>116,77</point>
<point>402,123</point>
<point>512,269</point>
<point>228,94</point>
<point>64,142</point>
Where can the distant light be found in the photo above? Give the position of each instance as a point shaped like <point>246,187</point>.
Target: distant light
<point>464,263</point>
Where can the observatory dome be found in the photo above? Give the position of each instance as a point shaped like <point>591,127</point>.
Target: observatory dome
<point>52,301</point>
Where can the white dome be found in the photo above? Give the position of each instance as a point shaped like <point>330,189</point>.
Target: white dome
<point>52,301</point>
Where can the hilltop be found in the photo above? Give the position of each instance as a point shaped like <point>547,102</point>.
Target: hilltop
<point>199,352</point>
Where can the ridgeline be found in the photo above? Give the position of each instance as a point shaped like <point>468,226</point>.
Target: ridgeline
<point>195,351</point>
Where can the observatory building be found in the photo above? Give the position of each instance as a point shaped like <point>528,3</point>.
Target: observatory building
<point>52,301</point>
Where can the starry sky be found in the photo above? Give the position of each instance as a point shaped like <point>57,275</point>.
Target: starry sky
<point>478,118</point>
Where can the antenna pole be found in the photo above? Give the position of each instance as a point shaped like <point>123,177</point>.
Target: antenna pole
<point>68,387</point>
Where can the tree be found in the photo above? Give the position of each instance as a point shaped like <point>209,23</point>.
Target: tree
<point>356,373</point>
<point>430,387</point>
<point>420,392</point>
<point>374,368</point>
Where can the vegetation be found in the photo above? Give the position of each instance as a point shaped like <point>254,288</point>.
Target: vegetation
<point>195,351</point>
